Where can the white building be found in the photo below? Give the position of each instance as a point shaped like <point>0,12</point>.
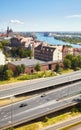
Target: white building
<point>57,54</point>
<point>2,58</point>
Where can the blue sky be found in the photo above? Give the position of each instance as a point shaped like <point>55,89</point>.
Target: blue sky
<point>40,15</point>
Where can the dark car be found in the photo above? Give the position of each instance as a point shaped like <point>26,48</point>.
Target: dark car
<point>23,105</point>
<point>77,100</point>
<point>43,95</point>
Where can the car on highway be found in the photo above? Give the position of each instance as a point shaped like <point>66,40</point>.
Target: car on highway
<point>77,100</point>
<point>23,105</point>
<point>43,95</point>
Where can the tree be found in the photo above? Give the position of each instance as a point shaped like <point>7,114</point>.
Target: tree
<point>29,53</point>
<point>23,53</point>
<point>67,63</point>
<point>38,67</point>
<point>18,70</point>
<point>57,67</point>
<point>79,61</point>
<point>1,72</point>
<point>5,42</point>
<point>69,56</point>
<point>8,74</point>
<point>23,67</point>
<point>5,67</point>
<point>75,62</point>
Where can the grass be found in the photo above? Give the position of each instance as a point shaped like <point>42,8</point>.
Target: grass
<point>8,81</point>
<point>48,121</point>
<point>35,126</point>
<point>64,71</point>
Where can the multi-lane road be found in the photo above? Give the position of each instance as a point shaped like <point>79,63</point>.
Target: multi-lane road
<point>24,114</point>
<point>25,87</point>
<point>39,105</point>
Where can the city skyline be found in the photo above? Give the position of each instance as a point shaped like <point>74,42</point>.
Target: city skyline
<point>40,15</point>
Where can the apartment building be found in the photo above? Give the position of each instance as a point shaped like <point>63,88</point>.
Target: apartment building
<point>20,41</point>
<point>47,53</point>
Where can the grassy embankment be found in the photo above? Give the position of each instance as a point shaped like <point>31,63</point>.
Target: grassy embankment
<point>40,74</point>
<point>48,121</point>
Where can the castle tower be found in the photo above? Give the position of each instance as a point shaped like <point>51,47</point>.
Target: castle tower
<point>7,31</point>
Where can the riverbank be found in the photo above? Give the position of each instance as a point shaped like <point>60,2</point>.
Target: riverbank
<point>51,40</point>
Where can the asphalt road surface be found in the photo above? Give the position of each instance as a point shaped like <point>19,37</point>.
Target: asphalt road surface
<point>53,95</point>
<point>22,114</point>
<point>40,84</point>
<point>39,105</point>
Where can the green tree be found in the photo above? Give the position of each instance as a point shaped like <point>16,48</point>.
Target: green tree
<point>57,67</point>
<point>18,70</point>
<point>5,43</point>
<point>1,72</point>
<point>23,53</point>
<point>69,56</point>
<point>0,45</point>
<point>8,74</point>
<point>75,62</point>
<point>38,67</point>
<point>23,67</point>
<point>29,53</point>
<point>79,61</point>
<point>5,67</point>
<point>67,63</point>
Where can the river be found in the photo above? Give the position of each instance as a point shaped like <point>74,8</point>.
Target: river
<point>53,41</point>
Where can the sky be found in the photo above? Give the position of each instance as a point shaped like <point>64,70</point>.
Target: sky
<point>40,15</point>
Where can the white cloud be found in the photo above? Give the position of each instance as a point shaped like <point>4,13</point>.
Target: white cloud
<point>73,16</point>
<point>15,21</point>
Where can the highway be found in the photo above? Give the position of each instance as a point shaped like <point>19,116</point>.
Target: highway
<point>40,84</point>
<point>25,115</point>
<point>39,105</point>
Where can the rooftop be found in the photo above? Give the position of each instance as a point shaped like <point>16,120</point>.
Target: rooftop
<point>28,62</point>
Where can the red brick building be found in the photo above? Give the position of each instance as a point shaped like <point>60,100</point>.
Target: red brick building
<point>30,65</point>
<point>76,51</point>
<point>66,50</point>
